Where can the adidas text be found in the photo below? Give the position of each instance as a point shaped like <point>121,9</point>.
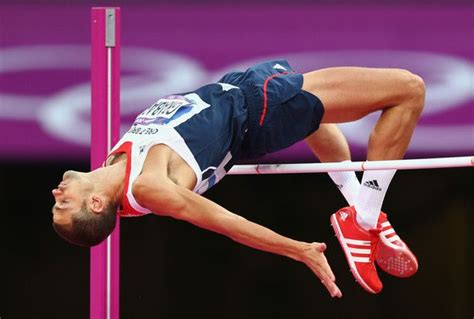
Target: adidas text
<point>373,184</point>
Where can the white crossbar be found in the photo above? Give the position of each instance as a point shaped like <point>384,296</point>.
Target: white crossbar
<point>442,162</point>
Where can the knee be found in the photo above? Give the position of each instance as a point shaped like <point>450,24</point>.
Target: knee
<point>414,90</point>
<point>416,86</point>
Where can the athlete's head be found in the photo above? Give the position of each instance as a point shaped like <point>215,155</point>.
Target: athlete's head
<point>81,215</point>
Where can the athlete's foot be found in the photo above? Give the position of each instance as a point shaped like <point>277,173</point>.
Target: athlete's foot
<point>359,246</point>
<point>393,255</point>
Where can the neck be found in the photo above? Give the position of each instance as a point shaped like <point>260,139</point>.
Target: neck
<point>109,180</point>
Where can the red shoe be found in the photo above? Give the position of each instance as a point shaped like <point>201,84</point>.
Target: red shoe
<point>393,255</point>
<point>359,246</point>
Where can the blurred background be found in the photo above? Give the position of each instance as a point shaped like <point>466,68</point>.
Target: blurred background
<point>173,270</point>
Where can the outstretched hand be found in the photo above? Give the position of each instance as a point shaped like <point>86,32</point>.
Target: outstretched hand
<point>314,258</point>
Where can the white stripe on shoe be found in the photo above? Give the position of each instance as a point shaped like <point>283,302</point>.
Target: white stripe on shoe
<point>359,251</point>
<point>384,235</point>
<point>394,238</point>
<point>388,232</point>
<point>386,224</point>
<point>389,242</point>
<point>361,259</point>
<point>357,242</point>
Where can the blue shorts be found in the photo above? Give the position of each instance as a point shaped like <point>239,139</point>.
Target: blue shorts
<point>280,113</point>
<point>246,115</point>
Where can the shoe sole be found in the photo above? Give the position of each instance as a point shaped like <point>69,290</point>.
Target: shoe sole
<point>351,263</point>
<point>396,261</point>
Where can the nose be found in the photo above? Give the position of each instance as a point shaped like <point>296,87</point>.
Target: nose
<point>56,192</point>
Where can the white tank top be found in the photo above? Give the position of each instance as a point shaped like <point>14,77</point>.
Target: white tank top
<point>155,126</point>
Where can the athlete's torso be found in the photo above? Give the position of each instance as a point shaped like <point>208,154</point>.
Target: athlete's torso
<point>180,137</point>
<point>198,136</point>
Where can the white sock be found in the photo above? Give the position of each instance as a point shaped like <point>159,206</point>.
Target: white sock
<point>348,184</point>
<point>369,201</point>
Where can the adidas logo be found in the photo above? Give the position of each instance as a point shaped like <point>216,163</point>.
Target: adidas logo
<point>279,67</point>
<point>343,215</point>
<point>373,184</point>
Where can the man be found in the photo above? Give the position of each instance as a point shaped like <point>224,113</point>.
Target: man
<point>184,144</point>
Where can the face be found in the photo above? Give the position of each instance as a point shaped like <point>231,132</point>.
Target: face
<point>69,196</point>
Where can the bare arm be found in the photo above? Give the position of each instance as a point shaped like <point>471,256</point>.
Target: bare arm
<point>181,203</point>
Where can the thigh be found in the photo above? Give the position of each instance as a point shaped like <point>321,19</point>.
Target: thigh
<point>349,93</point>
<point>279,115</point>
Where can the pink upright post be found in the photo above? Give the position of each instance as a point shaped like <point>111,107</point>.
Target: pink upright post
<point>105,130</point>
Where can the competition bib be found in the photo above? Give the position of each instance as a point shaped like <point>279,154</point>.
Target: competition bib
<point>165,110</point>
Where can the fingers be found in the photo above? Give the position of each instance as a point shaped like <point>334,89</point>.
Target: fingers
<point>323,263</point>
<point>321,268</point>
<point>330,285</point>
<point>326,269</point>
<point>328,281</point>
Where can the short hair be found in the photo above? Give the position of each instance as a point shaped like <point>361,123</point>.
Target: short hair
<point>88,229</point>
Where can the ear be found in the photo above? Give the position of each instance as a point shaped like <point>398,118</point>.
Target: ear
<point>97,204</point>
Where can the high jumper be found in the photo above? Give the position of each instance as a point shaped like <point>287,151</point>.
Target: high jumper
<point>185,143</point>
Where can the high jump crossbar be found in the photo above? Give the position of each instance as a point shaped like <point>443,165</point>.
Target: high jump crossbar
<point>442,162</point>
<point>105,126</point>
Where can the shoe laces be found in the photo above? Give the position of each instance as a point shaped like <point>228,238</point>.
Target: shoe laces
<point>374,241</point>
